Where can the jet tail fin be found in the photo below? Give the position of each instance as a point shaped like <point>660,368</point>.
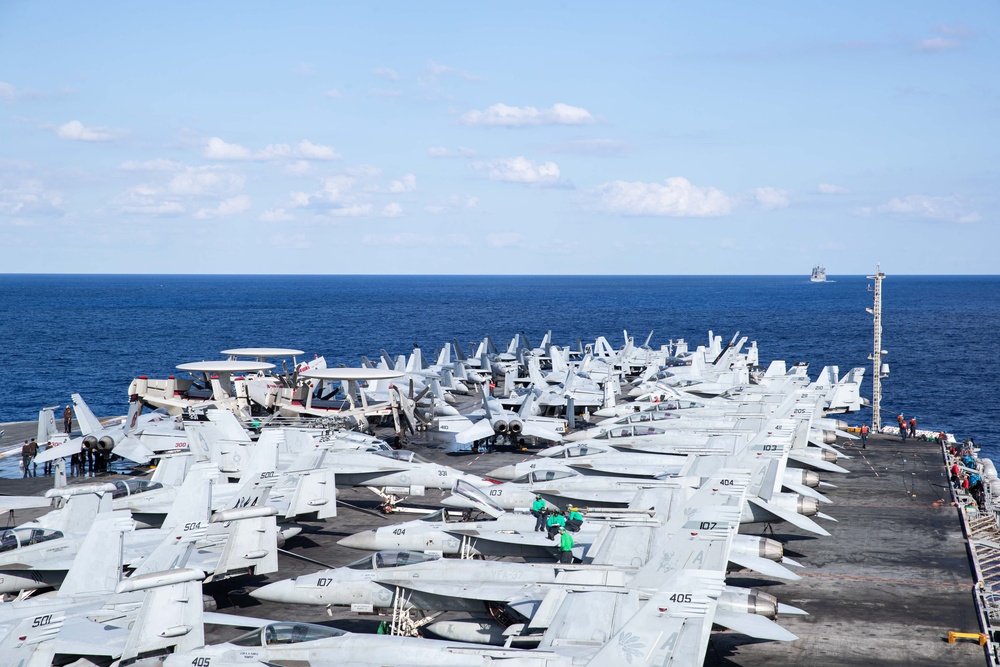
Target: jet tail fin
<point>46,425</point>
<point>672,628</point>
<point>193,502</point>
<point>84,416</point>
<point>29,643</point>
<point>98,565</point>
<point>171,615</point>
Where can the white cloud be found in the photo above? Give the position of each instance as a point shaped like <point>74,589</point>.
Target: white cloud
<point>407,183</point>
<point>136,203</point>
<point>440,151</point>
<point>504,239</point>
<point>299,167</point>
<point>364,171</point>
<point>273,152</point>
<point>276,215</point>
<point>201,181</point>
<point>520,170</point>
<point>310,151</point>
<point>770,198</point>
<point>333,94</point>
<point>29,198</point>
<point>507,116</point>
<point>77,131</point>
<point>175,187</point>
<point>435,70</point>
<point>831,189</point>
<point>949,209</point>
<point>337,188</point>
<point>7,92</point>
<point>675,197</point>
<point>351,211</point>
<point>937,45</point>
<point>386,73</point>
<point>392,210</point>
<point>949,38</point>
<point>452,203</point>
<point>226,207</point>
<point>217,149</point>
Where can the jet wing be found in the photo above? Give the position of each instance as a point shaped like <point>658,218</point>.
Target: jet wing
<point>535,430</point>
<point>68,448</point>
<point>753,625</point>
<point>10,503</point>
<point>595,498</point>
<point>81,636</point>
<point>763,566</point>
<point>794,518</point>
<point>494,591</point>
<point>816,463</point>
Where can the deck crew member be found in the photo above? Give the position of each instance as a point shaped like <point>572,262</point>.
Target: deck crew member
<point>67,418</point>
<point>26,459</point>
<point>556,522</point>
<point>565,546</point>
<point>538,511</point>
<point>864,436</point>
<point>575,520</point>
<point>913,427</point>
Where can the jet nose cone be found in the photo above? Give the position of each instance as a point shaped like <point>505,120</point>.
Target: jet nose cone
<point>576,436</point>
<point>279,591</point>
<point>505,473</point>
<point>364,540</point>
<point>635,393</point>
<point>605,412</point>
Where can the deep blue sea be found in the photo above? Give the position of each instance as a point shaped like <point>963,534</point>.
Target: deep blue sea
<point>92,334</point>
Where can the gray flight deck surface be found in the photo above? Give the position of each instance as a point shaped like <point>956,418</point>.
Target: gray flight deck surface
<point>884,589</point>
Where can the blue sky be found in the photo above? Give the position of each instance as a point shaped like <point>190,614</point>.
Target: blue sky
<point>657,138</point>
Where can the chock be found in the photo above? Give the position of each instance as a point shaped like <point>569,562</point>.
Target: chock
<point>978,636</point>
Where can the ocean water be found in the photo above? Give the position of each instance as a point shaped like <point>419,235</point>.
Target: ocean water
<point>92,334</point>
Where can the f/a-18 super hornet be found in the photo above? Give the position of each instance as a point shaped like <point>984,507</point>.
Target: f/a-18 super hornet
<point>413,580</point>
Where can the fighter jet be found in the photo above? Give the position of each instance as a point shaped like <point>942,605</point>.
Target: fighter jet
<point>414,580</point>
<point>670,626</point>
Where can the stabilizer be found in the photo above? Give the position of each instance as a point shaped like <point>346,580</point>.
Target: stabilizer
<point>98,565</point>
<point>671,629</point>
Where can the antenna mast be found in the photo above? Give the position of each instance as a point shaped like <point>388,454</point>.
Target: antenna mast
<point>879,370</point>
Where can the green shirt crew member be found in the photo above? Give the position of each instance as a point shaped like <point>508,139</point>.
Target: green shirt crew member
<point>556,522</point>
<point>538,511</point>
<point>565,546</point>
<point>574,521</point>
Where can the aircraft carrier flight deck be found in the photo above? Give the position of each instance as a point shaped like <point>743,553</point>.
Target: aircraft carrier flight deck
<point>885,589</point>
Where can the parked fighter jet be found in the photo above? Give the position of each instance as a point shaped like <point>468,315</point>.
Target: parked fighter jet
<point>493,419</point>
<point>672,627</point>
<point>414,580</point>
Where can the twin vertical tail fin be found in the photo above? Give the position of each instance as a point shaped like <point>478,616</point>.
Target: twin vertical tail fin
<point>85,417</point>
<point>672,628</point>
<point>171,616</point>
<point>98,565</point>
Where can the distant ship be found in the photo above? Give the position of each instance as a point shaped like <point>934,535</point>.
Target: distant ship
<point>818,275</point>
